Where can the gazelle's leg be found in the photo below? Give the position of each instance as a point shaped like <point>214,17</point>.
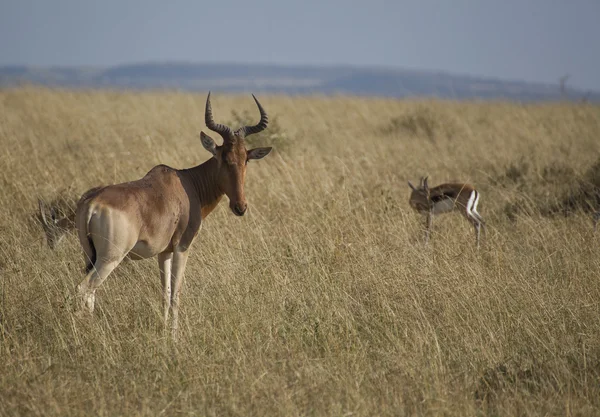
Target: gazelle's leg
<point>474,211</point>
<point>428,224</point>
<point>165,261</point>
<point>473,216</point>
<point>481,223</point>
<point>477,225</point>
<point>179,262</point>
<point>87,287</point>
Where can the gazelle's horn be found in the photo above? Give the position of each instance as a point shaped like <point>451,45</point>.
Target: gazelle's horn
<point>42,207</point>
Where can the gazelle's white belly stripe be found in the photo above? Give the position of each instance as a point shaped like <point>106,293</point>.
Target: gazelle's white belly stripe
<point>443,206</point>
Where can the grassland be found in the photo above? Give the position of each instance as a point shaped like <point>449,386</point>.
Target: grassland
<point>323,299</point>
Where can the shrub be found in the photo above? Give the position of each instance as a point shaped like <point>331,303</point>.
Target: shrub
<point>422,122</point>
<point>584,196</point>
<point>274,135</point>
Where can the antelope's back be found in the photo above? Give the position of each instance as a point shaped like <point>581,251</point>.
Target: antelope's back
<point>451,196</point>
<point>153,205</point>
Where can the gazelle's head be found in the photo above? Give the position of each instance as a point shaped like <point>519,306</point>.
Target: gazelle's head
<point>232,155</point>
<point>419,198</point>
<point>52,225</point>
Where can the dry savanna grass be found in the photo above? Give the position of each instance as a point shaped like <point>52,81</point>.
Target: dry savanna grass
<point>322,300</point>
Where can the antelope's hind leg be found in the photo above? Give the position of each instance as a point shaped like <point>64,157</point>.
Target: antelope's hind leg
<point>87,288</point>
<point>477,224</point>
<point>475,218</point>
<point>479,227</point>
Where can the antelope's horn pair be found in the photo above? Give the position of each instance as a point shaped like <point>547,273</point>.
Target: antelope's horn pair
<point>226,132</point>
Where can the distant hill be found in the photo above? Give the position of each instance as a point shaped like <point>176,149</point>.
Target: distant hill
<point>365,81</point>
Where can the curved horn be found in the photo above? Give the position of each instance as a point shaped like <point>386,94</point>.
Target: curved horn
<point>42,212</point>
<point>262,125</point>
<point>224,131</point>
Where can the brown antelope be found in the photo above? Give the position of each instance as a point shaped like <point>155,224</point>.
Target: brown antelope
<point>446,198</point>
<point>161,214</point>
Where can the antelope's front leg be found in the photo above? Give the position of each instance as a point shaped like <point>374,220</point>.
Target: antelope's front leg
<point>428,224</point>
<point>179,262</point>
<point>165,261</point>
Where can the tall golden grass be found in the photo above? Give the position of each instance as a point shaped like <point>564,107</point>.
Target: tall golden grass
<point>323,299</point>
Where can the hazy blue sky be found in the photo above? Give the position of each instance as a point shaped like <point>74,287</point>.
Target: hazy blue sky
<point>534,40</point>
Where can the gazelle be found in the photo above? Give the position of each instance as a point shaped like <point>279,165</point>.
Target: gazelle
<point>56,228</point>
<point>446,198</point>
<point>161,214</point>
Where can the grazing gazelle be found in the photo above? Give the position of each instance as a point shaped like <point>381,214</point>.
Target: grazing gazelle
<point>161,214</point>
<point>57,228</point>
<point>446,198</point>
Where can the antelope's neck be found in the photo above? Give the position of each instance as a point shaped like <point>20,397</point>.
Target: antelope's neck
<point>205,180</point>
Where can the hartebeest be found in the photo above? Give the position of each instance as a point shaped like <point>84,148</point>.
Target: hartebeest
<point>161,214</point>
<point>446,198</point>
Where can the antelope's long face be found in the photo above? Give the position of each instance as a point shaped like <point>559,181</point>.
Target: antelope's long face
<point>233,160</point>
<point>232,156</point>
<point>419,198</point>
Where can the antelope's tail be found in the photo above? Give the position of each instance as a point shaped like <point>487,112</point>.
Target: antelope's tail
<point>83,218</point>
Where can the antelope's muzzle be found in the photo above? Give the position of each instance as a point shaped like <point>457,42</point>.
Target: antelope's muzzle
<point>239,209</point>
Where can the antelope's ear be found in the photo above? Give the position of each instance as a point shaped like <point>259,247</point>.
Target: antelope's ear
<point>258,153</point>
<point>412,186</point>
<point>208,143</point>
